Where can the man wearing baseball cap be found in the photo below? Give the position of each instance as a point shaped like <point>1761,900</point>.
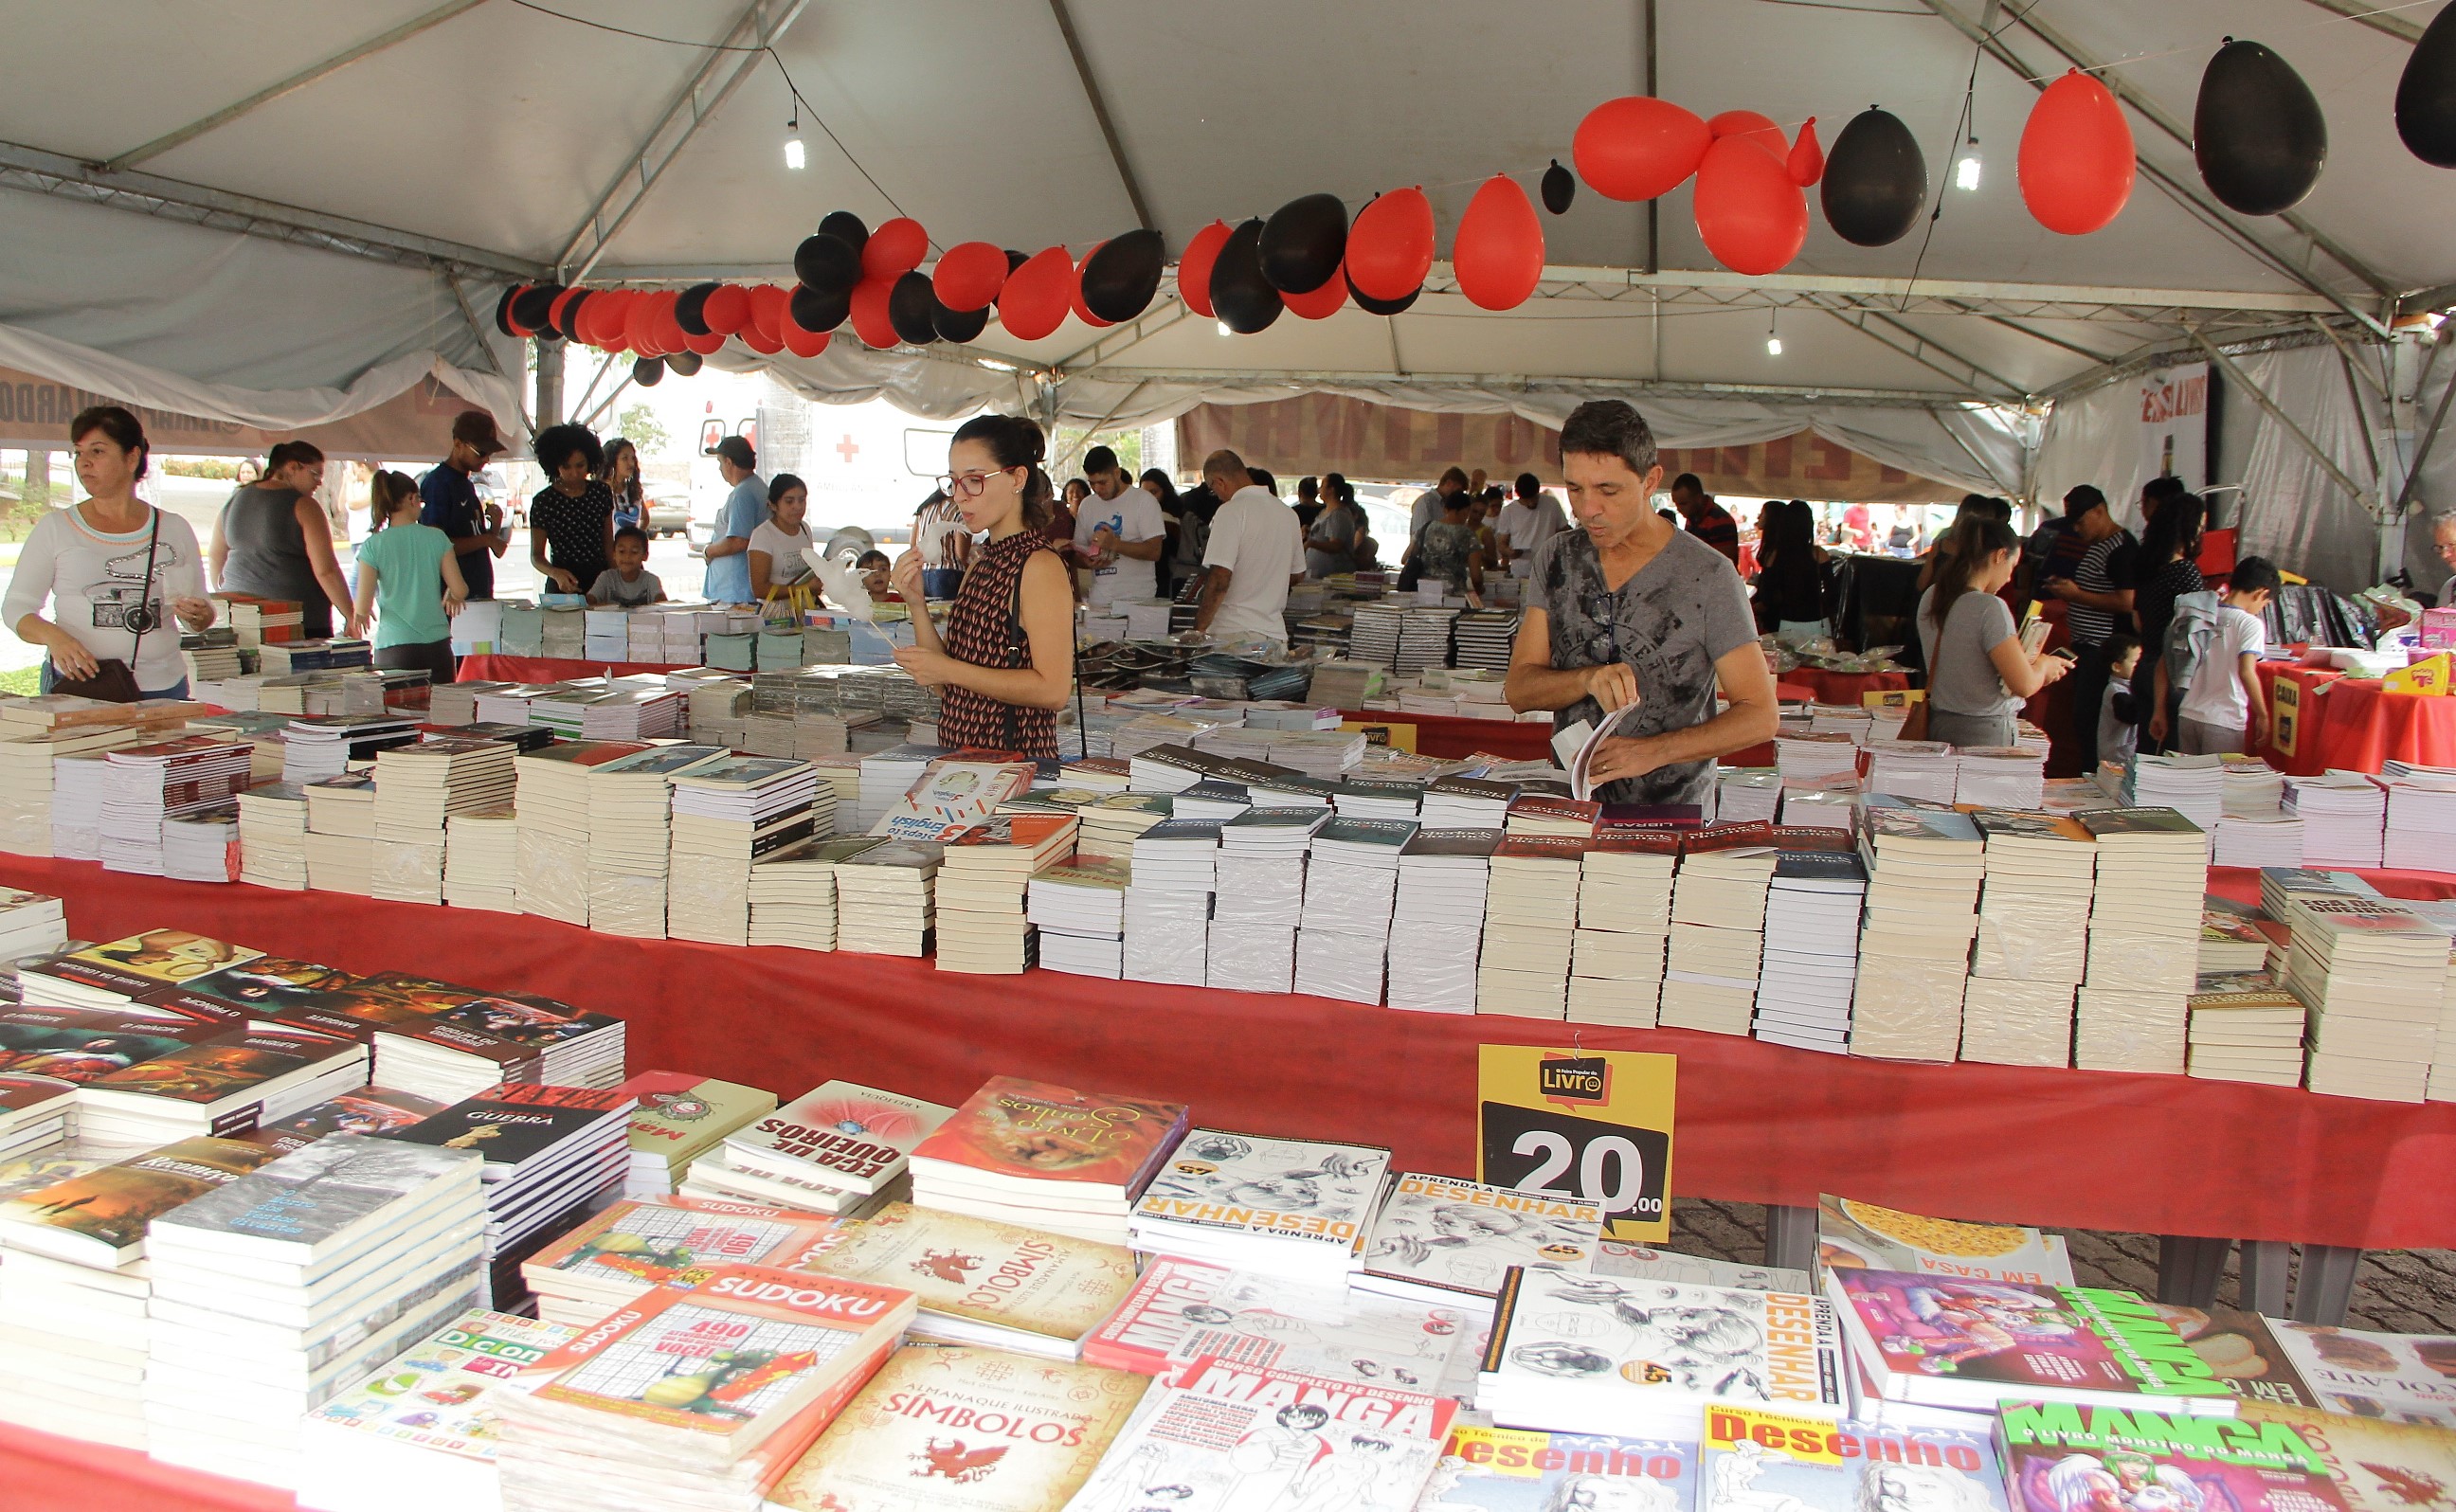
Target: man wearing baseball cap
<point>452,504</point>
<point>746,510</point>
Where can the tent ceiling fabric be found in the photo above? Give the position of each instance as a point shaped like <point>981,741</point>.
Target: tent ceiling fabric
<point>500,127</point>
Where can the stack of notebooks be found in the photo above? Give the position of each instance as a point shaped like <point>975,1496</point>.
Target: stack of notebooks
<point>1168,903</point>
<point>727,814</point>
<point>680,1117</point>
<point>792,892</point>
<point>279,1291</point>
<point>481,859</point>
<point>983,880</point>
<point>552,800</point>
<point>2245,1027</point>
<point>630,830</point>
<point>2421,817</point>
<point>1078,906</point>
<point>1047,1156</point>
<point>1260,883</point>
<point>1444,880</point>
<point>2032,939</point>
<point>1924,868</point>
<point>1351,883</point>
<point>1811,941</point>
<point>840,1149</point>
<point>1530,911</point>
<point>1925,770</point>
<point>1285,1208</point>
<point>884,898</point>
<point>2373,975</point>
<point>1717,937</point>
<point>2145,928</point>
<point>638,1248</point>
<point>2343,816</point>
<point>273,836</point>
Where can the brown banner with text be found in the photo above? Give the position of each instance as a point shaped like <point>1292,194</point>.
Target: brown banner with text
<point>413,425</point>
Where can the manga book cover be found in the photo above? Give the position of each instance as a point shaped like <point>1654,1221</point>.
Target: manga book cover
<point>2025,1336</point>
<point>964,1430</point>
<point>1486,1469</point>
<point>1317,1194</point>
<point>1246,1438</point>
<point>2061,1457</point>
<point>1756,1461</point>
<point>1183,1309</point>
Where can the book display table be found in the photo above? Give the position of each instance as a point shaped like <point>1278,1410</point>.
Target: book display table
<point>493,669</point>
<point>2354,724</point>
<point>1447,735</point>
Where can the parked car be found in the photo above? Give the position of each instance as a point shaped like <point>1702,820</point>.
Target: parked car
<point>668,516</point>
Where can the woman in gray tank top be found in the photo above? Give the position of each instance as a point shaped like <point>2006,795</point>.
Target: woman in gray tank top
<point>272,540</point>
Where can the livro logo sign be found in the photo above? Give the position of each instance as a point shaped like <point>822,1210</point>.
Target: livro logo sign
<point>1569,1080</point>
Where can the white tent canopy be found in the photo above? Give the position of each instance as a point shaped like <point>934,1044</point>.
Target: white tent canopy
<point>285,205</point>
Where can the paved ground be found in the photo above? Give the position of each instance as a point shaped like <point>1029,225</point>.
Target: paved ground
<point>2396,1290</point>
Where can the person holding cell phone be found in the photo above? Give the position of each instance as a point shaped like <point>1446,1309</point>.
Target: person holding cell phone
<point>1978,675</point>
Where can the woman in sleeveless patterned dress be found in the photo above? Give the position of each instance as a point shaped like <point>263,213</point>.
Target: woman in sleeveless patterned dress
<point>1006,665</point>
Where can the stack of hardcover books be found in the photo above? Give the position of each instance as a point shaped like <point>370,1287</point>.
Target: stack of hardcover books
<point>840,1149</point>
<point>1049,1156</point>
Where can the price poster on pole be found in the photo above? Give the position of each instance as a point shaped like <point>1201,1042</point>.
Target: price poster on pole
<point>1591,1124</point>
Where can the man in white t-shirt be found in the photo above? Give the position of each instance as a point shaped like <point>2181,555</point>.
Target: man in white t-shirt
<point>1256,552</point>
<point>1527,521</point>
<point>1119,531</point>
<point>2222,710</point>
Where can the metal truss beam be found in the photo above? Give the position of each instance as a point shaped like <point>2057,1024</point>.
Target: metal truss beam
<point>296,81</point>
<point>2367,497</point>
<point>2370,14</point>
<point>1124,337</point>
<point>761,23</point>
<point>1101,114</point>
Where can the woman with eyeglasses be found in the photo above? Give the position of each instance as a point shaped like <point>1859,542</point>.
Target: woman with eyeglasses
<point>1006,661</point>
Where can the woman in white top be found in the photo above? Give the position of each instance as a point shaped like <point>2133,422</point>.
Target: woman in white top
<point>776,546</point>
<point>91,561</point>
<point>1978,675</point>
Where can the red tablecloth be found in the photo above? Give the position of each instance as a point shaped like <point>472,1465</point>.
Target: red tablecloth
<point>1844,687</point>
<point>46,1474</point>
<point>550,668</point>
<point>1442,735</point>
<point>2354,724</point>
<point>1758,1123</point>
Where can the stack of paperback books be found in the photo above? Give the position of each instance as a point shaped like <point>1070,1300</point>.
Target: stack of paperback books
<point>1530,911</point>
<point>2374,976</point>
<point>203,846</point>
<point>2144,927</point>
<point>2246,1028</point>
<point>1811,941</point>
<point>2192,786</point>
<point>77,783</point>
<point>481,859</point>
<point>1078,906</point>
<point>1259,882</point>
<point>145,784</point>
<point>793,891</point>
<point>74,1287</point>
<point>1465,803</point>
<point>727,814</point>
<point>419,788</point>
<point>680,1117</point>
<point>325,744</point>
<point>1444,881</point>
<point>1282,1207</point>
<point>1053,1291</point>
<point>1168,903</point>
<point>2033,946</point>
<point>1925,770</point>
<point>491,1038</point>
<point>273,836</point>
<point>630,809</point>
<point>956,793</point>
<point>1924,869</point>
<point>117,972</point>
<point>1745,794</point>
<point>31,924</point>
<point>1624,924</point>
<point>1717,938</point>
<point>1534,815</point>
<point>1815,754</point>
<point>983,881</point>
<point>279,1291</point>
<point>224,1085</point>
<point>840,1150</point>
<point>1351,882</point>
<point>886,776</point>
<point>33,756</point>
<point>34,1112</point>
<point>552,804</point>
<point>636,1248</point>
<point>884,898</point>
<point>2421,817</point>
<point>1451,1242</point>
<point>2343,816</point>
<point>1048,1156</point>
<point>2000,777</point>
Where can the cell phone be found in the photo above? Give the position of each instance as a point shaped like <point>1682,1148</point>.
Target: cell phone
<point>2065,652</point>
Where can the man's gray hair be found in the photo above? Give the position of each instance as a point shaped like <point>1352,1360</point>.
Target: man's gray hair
<point>2445,520</point>
<point>1611,428</point>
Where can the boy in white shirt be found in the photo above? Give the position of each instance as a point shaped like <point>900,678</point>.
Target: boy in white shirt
<point>2222,710</point>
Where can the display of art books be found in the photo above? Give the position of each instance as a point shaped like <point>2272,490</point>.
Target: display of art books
<point>2057,1454</point>
<point>1851,1232</point>
<point>1180,1311</point>
<point>1753,1458</point>
<point>1453,1242</point>
<point>1051,1290</point>
<point>1493,1469</point>
<point>1286,1206</point>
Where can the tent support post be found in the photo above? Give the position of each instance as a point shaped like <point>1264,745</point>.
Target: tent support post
<point>487,348</point>
<point>2389,524</point>
<point>1100,114</point>
<point>549,382</point>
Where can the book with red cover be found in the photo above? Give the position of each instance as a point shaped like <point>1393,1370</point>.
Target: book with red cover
<point>265,988</point>
<point>1573,810</point>
<point>1542,847</point>
<point>80,1044</point>
<point>1735,835</point>
<point>367,1110</point>
<point>1016,1136</point>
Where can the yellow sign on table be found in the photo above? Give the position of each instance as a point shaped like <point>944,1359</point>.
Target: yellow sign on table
<point>1377,732</point>
<point>2428,676</point>
<point>1590,1124</point>
<point>2285,715</point>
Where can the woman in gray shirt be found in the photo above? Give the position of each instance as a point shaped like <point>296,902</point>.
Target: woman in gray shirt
<point>1978,675</point>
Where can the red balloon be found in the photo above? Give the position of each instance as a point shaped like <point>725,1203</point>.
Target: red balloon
<point>1499,252</point>
<point>602,319</point>
<point>1807,160</point>
<point>1390,247</point>
<point>1193,267</point>
<point>561,302</point>
<point>1037,295</point>
<point>1753,127</point>
<point>639,324</point>
<point>1752,217</point>
<point>670,334</point>
<point>758,341</point>
<point>2077,160</point>
<point>1634,148</point>
<point>509,320</point>
<point>583,325</point>
<point>893,250</point>
<point>1075,292</point>
<point>870,321</point>
<point>707,345</point>
<point>968,276</point>
<point>768,304</point>
<point>1321,303</point>
<point>727,310</point>
<point>799,341</point>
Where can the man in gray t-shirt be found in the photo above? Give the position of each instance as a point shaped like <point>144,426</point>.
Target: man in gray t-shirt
<point>1628,608</point>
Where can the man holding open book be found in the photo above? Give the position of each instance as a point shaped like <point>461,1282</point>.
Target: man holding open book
<point>1629,611</point>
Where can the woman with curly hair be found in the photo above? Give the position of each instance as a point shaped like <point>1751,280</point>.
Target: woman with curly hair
<point>571,519</point>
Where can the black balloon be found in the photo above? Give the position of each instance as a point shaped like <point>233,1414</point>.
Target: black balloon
<point>569,324</point>
<point>1875,180</point>
<point>827,263</point>
<point>814,311</point>
<point>504,310</point>
<point>846,227</point>
<point>1372,306</point>
<point>683,363</point>
<point>2426,93</point>
<point>911,308</point>
<point>1238,292</point>
<point>1121,277</point>
<point>530,306</point>
<point>957,325</point>
<point>1560,187</point>
<point>1015,259</point>
<point>2258,132</point>
<point>646,371</point>
<point>690,311</point>
<point>1302,242</point>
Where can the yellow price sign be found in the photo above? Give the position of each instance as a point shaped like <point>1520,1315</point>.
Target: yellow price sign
<point>1594,1125</point>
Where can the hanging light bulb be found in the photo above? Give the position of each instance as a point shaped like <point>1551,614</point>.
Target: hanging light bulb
<point>1226,329</point>
<point>793,154</point>
<point>1773,341</point>
<point>1965,169</point>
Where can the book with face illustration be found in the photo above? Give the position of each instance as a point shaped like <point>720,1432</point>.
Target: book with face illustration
<point>1441,1240</point>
